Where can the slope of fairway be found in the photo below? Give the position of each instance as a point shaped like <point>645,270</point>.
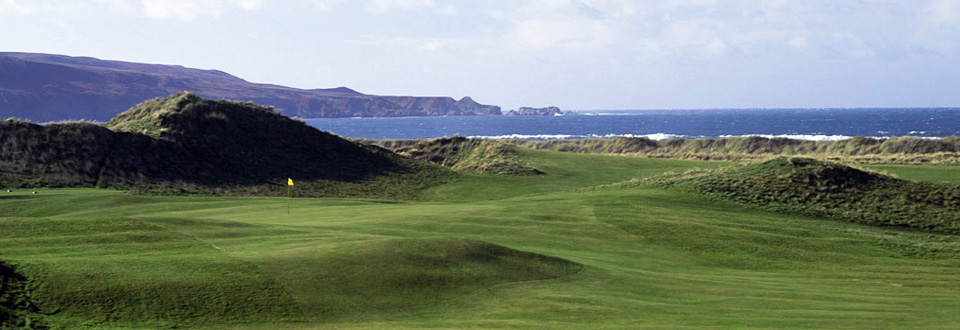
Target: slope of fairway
<point>544,254</point>
<point>944,173</point>
<point>561,172</point>
<point>381,278</point>
<point>92,271</point>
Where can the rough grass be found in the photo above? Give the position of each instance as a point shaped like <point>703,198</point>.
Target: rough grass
<point>465,155</point>
<point>894,150</point>
<point>17,309</point>
<point>826,189</point>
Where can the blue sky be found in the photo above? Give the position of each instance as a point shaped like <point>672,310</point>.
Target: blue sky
<point>576,54</point>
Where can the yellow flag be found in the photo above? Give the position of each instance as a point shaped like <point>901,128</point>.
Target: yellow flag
<point>289,181</point>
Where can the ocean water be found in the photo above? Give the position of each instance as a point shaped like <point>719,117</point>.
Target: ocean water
<point>806,124</point>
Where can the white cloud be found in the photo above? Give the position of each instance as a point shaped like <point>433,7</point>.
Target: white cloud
<point>16,7</point>
<point>432,45</point>
<point>448,10</point>
<point>404,43</point>
<point>573,25</point>
<point>715,48</point>
<point>250,5</point>
<point>799,42</point>
<point>325,5</point>
<point>382,6</point>
<point>942,12</point>
<point>580,34</point>
<point>189,10</point>
<point>937,23</point>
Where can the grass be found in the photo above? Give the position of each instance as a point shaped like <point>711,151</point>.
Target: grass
<point>943,173</point>
<point>817,188</point>
<point>563,250</point>
<point>464,155</point>
<point>863,150</point>
<point>562,172</point>
<point>183,144</point>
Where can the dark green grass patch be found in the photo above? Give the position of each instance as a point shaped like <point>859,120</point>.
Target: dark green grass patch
<point>379,279</point>
<point>106,271</point>
<point>17,310</point>
<point>824,189</point>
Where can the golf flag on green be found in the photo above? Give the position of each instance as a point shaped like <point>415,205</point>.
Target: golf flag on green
<point>289,185</point>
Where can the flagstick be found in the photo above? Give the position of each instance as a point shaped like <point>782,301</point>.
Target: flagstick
<point>288,199</point>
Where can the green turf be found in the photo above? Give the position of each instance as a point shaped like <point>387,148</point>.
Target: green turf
<point>920,172</point>
<point>551,251</point>
<point>563,172</point>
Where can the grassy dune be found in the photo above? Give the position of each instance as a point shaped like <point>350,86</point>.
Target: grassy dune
<point>893,150</point>
<point>568,249</point>
<point>817,188</point>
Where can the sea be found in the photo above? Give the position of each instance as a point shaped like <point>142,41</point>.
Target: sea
<point>802,124</point>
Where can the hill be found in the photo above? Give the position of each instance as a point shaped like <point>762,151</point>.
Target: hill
<point>43,87</point>
<point>187,144</point>
<point>826,189</point>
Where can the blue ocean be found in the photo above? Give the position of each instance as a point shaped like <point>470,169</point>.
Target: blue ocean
<point>806,124</point>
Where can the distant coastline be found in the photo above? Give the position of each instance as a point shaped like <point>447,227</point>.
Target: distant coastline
<point>44,87</point>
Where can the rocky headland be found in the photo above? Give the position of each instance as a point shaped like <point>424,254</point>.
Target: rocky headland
<point>42,88</point>
<point>530,111</point>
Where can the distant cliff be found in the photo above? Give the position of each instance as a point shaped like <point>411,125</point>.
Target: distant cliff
<point>528,111</point>
<point>43,87</point>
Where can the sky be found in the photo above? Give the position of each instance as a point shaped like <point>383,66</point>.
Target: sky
<point>575,54</point>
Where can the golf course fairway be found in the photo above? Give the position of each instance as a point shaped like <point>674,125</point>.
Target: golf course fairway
<point>570,249</point>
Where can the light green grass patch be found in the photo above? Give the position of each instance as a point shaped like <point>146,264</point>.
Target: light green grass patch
<point>947,173</point>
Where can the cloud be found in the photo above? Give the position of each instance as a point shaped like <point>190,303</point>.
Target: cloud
<point>942,12</point>
<point>938,23</point>
<point>405,43</point>
<point>432,45</point>
<point>580,34</point>
<point>572,25</point>
<point>695,37</point>
<point>383,6</point>
<point>189,10</point>
<point>325,5</point>
<point>16,7</point>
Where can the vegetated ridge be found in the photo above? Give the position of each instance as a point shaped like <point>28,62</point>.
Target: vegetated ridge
<point>186,144</point>
<point>42,87</point>
<point>894,150</point>
<point>465,155</point>
<point>818,188</point>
